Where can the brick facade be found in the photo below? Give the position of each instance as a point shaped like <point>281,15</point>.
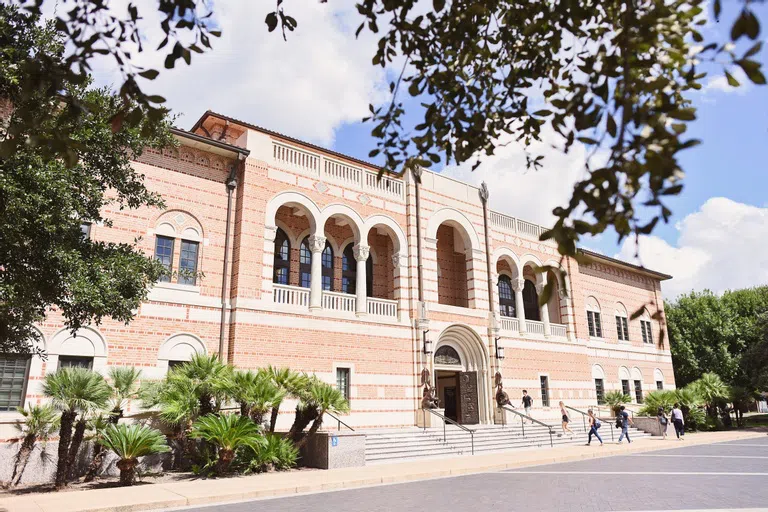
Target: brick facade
<point>310,192</point>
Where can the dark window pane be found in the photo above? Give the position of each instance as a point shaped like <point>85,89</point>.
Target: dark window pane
<point>639,391</point>
<point>281,276</point>
<point>349,270</point>
<point>327,261</point>
<point>626,328</point>
<point>625,387</point>
<point>305,255</point>
<point>649,331</point>
<point>174,364</point>
<point>14,371</point>
<point>342,381</point>
<point>598,325</point>
<point>600,391</point>
<point>506,297</point>
<point>305,280</point>
<point>659,385</point>
<point>282,259</point>
<point>591,323</point>
<point>619,328</point>
<point>188,262</point>
<point>544,391</point>
<point>75,362</point>
<point>164,254</point>
<point>305,264</point>
<point>531,301</point>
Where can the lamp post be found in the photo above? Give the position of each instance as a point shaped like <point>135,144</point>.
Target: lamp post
<point>427,343</point>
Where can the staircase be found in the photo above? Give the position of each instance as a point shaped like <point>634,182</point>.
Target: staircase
<point>410,443</point>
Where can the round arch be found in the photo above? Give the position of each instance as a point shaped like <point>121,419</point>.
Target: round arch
<point>561,282</point>
<point>295,199</point>
<point>532,261</point>
<point>399,241</point>
<point>454,218</point>
<point>181,347</point>
<point>506,254</point>
<point>289,233</point>
<point>658,375</point>
<point>86,342</point>
<point>341,210</point>
<point>474,358</point>
<point>637,374</point>
<point>623,373</point>
<point>598,372</point>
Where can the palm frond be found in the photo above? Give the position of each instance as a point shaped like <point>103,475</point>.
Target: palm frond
<point>77,389</point>
<point>133,441</point>
<point>40,421</point>
<point>227,431</point>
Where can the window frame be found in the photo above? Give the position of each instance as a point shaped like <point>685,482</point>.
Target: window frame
<point>278,262</point>
<point>647,331</point>
<point>594,324</point>
<point>305,268</point>
<point>600,391</point>
<point>622,327</point>
<point>347,373</point>
<point>326,265</point>
<point>24,385</point>
<point>529,289</point>
<point>349,274</point>
<point>638,391</point>
<point>191,281</point>
<point>544,385</point>
<point>625,387</point>
<point>169,266</point>
<point>659,385</point>
<point>70,359</point>
<point>506,303</point>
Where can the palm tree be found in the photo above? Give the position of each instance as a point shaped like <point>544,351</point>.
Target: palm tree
<point>229,433</point>
<point>614,399</point>
<point>97,425</point>
<point>256,393</point>
<point>130,442</point>
<point>288,382</point>
<point>125,381</point>
<point>690,403</point>
<point>208,377</point>
<point>40,421</point>
<point>74,391</point>
<point>324,398</point>
<point>712,390</point>
<point>664,398</point>
<point>742,398</point>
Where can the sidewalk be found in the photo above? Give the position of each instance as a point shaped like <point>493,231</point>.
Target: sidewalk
<point>198,492</point>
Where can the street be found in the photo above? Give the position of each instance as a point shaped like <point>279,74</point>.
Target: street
<point>729,475</point>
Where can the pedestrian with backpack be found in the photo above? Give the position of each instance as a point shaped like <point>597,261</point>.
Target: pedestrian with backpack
<point>623,421</point>
<point>594,424</point>
<point>663,421</point>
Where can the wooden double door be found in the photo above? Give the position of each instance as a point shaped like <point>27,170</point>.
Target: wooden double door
<point>461,400</point>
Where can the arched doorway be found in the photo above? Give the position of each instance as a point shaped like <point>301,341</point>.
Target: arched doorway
<point>461,375</point>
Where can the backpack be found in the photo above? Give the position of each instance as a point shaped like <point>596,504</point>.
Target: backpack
<point>619,423</point>
<point>597,423</point>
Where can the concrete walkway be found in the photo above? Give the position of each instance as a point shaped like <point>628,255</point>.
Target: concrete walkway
<point>199,492</point>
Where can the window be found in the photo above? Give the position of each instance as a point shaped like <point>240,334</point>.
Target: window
<point>506,296</point>
<point>639,391</point>
<point>188,262</point>
<point>594,324</point>
<point>327,273</point>
<point>174,364</point>
<point>645,328</point>
<point>75,362</point>
<point>659,385</point>
<point>305,264</point>
<point>349,270</point>
<point>14,372</point>
<point>600,391</point>
<point>164,254</point>
<point>447,355</point>
<point>622,328</point>
<point>531,301</point>
<point>282,261</point>
<point>544,390</point>
<point>625,387</point>
<point>85,230</point>
<point>342,381</point>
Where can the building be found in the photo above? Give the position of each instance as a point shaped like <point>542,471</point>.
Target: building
<point>299,256</point>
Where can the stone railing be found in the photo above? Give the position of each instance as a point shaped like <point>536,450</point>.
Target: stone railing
<point>382,307</point>
<point>339,301</point>
<point>534,327</point>
<point>291,295</point>
<point>517,226</point>
<point>336,171</point>
<point>558,330</point>
<point>510,324</point>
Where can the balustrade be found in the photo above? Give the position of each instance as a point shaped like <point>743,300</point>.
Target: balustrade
<point>382,307</point>
<point>339,301</point>
<point>291,295</point>
<point>510,324</point>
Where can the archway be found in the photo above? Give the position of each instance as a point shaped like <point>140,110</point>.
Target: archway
<point>461,361</point>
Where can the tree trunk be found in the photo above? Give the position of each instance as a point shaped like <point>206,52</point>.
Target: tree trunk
<point>257,417</point>
<point>303,418</point>
<point>115,415</point>
<point>225,459</point>
<point>25,450</point>
<point>243,409</point>
<point>312,430</point>
<point>205,405</point>
<point>273,418</point>
<point>65,438</point>
<point>98,457</point>
<point>74,448</point>
<point>127,469</point>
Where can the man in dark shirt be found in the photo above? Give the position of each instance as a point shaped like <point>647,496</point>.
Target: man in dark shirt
<point>527,403</point>
<point>625,422</point>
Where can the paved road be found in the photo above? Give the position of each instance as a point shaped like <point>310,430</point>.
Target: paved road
<point>728,475</point>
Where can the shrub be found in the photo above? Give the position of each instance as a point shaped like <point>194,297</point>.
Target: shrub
<point>40,421</point>
<point>665,399</point>
<point>614,399</point>
<point>229,433</point>
<point>277,453</point>
<point>130,442</point>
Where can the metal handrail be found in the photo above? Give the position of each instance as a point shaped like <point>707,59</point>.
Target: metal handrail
<point>340,423</point>
<point>452,422</point>
<point>583,416</point>
<point>602,420</point>
<point>533,420</point>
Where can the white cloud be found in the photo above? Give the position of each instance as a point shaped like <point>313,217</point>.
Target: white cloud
<point>527,193</point>
<point>308,86</point>
<point>720,247</point>
<point>717,82</point>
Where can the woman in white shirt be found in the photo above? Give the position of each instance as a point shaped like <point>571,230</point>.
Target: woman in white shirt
<point>677,420</point>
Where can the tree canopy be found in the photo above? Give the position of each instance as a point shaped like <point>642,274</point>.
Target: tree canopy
<point>46,261</point>
<point>726,335</point>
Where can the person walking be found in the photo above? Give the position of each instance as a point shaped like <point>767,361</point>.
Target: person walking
<point>663,421</point>
<point>677,421</point>
<point>527,403</point>
<point>566,419</point>
<point>625,421</point>
<point>594,424</point>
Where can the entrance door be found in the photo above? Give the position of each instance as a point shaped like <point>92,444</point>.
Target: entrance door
<point>450,403</point>
<point>468,400</point>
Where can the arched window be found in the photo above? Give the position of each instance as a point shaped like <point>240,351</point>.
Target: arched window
<point>506,296</point>
<point>531,301</point>
<point>447,355</point>
<point>305,264</point>
<point>282,262</point>
<point>349,270</point>
<point>327,259</point>
<point>369,276</point>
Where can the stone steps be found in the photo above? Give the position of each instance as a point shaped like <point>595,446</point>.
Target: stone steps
<point>393,445</point>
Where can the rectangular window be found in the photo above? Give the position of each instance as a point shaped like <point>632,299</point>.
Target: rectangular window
<point>85,229</point>
<point>598,325</point>
<point>626,328</point>
<point>645,328</point>
<point>600,391</point>
<point>591,323</point>
<point>544,390</point>
<point>164,254</point>
<point>659,385</point>
<point>281,275</point>
<point>75,362</point>
<point>14,372</point>
<point>342,381</point>
<point>638,391</point>
<point>625,387</point>
<point>327,283</point>
<point>305,280</point>
<point>619,329</point>
<point>188,262</point>
<point>174,364</point>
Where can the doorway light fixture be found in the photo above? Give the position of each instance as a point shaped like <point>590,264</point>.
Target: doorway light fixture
<point>427,342</point>
<point>499,349</point>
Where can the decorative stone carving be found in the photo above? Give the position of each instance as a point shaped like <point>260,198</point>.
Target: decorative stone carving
<point>484,194</point>
<point>502,398</point>
<point>364,199</point>
<point>399,260</point>
<point>518,284</point>
<point>321,187</point>
<point>316,243</point>
<point>428,400</point>
<point>361,252</point>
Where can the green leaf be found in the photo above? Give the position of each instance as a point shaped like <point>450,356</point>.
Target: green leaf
<point>149,74</point>
<point>271,21</point>
<point>731,80</point>
<point>752,69</point>
<point>438,5</point>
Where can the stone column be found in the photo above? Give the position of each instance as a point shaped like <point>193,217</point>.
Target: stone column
<point>517,285</point>
<point>544,308</point>
<point>361,255</point>
<point>316,245</point>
